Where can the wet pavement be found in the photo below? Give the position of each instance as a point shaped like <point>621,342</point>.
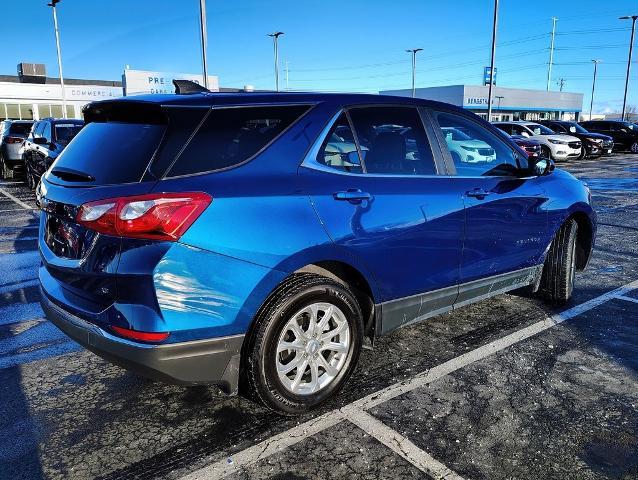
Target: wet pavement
<point>562,403</point>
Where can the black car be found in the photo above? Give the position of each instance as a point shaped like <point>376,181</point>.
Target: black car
<point>625,134</point>
<point>12,135</point>
<point>595,144</point>
<point>46,141</point>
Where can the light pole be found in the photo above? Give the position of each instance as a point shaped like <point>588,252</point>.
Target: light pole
<point>413,51</point>
<point>631,47</point>
<point>204,37</point>
<point>275,37</point>
<point>489,92</point>
<point>551,53</point>
<point>57,45</point>
<point>499,98</point>
<point>593,87</point>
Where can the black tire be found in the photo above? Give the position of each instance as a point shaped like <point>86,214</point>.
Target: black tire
<point>29,177</point>
<point>546,152</point>
<point>5,171</point>
<point>259,379</point>
<point>559,269</point>
<point>583,153</point>
<point>633,148</point>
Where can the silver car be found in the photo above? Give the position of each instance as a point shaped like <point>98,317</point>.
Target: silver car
<point>12,136</point>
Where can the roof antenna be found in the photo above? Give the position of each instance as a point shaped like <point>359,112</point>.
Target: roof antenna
<point>183,87</point>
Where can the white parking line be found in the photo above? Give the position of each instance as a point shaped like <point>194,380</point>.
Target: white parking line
<point>268,447</point>
<point>629,299</point>
<point>399,444</point>
<point>16,200</point>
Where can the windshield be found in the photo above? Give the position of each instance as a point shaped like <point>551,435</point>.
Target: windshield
<point>455,134</point>
<point>539,129</point>
<point>64,132</point>
<point>573,127</point>
<point>22,128</point>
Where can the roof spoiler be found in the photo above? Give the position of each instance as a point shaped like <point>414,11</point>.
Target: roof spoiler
<point>183,87</point>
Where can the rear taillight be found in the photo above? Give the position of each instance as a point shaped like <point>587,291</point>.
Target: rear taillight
<point>14,140</point>
<point>156,216</point>
<point>140,336</point>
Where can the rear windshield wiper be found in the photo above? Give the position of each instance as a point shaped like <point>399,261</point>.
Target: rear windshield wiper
<point>71,175</point>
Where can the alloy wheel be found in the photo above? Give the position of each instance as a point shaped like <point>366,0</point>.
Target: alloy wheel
<point>313,348</point>
<point>634,147</point>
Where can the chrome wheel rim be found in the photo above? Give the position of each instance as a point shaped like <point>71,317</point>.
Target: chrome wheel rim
<point>313,348</point>
<point>634,147</point>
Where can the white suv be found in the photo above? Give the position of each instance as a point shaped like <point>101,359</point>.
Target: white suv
<point>554,145</point>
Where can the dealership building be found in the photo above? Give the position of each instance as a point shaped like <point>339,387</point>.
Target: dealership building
<point>507,103</point>
<point>31,95</point>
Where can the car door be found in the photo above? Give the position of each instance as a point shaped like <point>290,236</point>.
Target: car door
<point>382,202</point>
<point>505,211</point>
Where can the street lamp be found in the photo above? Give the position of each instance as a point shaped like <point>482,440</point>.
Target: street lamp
<point>593,87</point>
<point>489,92</point>
<point>275,37</point>
<point>204,37</point>
<point>631,47</point>
<point>413,51</point>
<point>57,45</point>
<point>499,98</point>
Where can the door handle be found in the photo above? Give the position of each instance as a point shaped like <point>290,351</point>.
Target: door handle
<point>477,193</point>
<point>352,194</point>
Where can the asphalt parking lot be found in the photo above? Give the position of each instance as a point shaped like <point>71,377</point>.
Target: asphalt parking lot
<point>507,388</point>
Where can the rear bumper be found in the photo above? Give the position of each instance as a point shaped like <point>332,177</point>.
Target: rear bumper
<point>211,361</point>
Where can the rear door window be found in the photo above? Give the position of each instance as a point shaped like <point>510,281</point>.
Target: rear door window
<point>64,132</point>
<point>230,136</point>
<point>393,141</point>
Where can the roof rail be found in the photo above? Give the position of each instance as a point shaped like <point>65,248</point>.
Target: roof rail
<point>183,87</point>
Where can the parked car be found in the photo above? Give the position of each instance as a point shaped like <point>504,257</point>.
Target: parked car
<point>625,134</point>
<point>47,139</point>
<point>531,147</point>
<point>12,135</point>
<point>553,145</point>
<point>594,144</point>
<point>464,148</point>
<point>206,239</point>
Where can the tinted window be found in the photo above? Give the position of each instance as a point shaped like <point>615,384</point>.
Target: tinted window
<point>339,150</point>
<point>478,152</point>
<point>521,130</point>
<point>230,136</point>
<point>64,132</point>
<point>393,141</point>
<point>20,128</point>
<point>109,152</point>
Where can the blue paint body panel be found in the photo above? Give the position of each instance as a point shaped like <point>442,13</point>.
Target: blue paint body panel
<point>273,215</point>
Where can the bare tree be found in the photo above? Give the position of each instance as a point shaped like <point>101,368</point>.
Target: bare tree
<point>632,112</point>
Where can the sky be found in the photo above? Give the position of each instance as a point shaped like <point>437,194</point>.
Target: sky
<point>334,45</point>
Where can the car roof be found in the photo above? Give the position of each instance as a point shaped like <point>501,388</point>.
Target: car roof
<point>62,120</point>
<point>261,98</point>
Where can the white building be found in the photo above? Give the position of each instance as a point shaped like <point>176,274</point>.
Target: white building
<point>35,97</point>
<point>507,103</point>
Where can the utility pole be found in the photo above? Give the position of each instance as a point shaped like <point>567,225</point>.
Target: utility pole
<point>551,53</point>
<point>413,51</point>
<point>499,98</point>
<point>631,47</point>
<point>561,83</point>
<point>489,92</point>
<point>57,45</point>
<point>204,37</point>
<point>287,69</point>
<point>275,37</point>
<point>593,87</point>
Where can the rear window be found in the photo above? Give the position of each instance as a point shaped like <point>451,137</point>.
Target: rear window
<point>230,136</point>
<point>64,132</point>
<point>20,128</point>
<point>108,153</point>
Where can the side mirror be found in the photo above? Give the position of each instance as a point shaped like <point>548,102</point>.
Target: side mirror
<point>543,166</point>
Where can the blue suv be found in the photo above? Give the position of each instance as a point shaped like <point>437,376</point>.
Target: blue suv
<point>254,240</point>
